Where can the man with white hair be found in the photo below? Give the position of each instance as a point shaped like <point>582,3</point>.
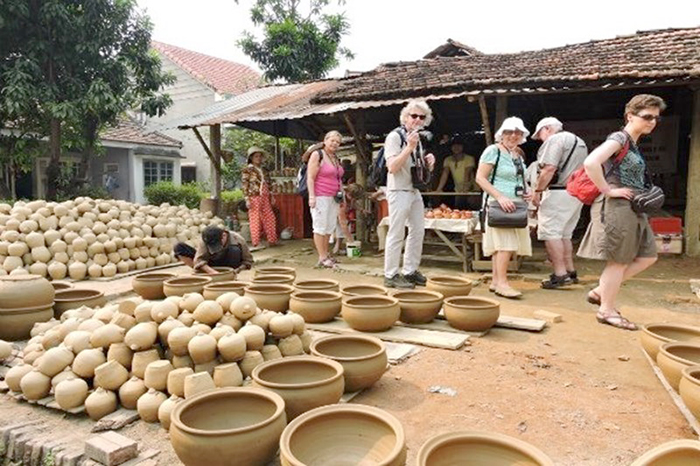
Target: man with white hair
<point>558,212</point>
<point>405,161</point>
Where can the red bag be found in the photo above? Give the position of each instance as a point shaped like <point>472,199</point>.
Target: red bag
<point>580,185</point>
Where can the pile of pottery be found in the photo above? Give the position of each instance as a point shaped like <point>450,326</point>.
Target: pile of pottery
<point>93,237</point>
<point>5,350</point>
<point>24,301</point>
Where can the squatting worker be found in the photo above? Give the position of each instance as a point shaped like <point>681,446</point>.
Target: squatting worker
<point>561,154</point>
<point>217,248</point>
<point>403,149</point>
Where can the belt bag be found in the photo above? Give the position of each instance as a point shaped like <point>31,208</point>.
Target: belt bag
<point>649,200</point>
<point>499,218</point>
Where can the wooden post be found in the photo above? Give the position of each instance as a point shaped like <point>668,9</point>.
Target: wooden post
<point>364,158</point>
<point>692,202</point>
<point>215,145</point>
<point>501,110</point>
<point>488,135</point>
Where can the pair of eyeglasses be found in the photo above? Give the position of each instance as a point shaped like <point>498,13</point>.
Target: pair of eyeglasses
<point>508,132</point>
<point>650,117</point>
<point>417,116</point>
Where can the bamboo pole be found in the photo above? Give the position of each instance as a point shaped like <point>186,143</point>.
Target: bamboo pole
<point>215,145</point>
<point>692,202</point>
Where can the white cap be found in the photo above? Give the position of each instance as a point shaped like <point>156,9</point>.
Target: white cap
<point>512,124</point>
<point>547,121</point>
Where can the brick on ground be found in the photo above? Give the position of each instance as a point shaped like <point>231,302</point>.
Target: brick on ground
<point>551,317</point>
<point>110,448</point>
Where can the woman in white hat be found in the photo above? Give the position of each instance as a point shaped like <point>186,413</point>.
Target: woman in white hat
<point>501,174</point>
<point>256,189</point>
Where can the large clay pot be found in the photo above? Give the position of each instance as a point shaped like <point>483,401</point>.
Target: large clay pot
<point>344,434</point>
<point>316,306</point>
<point>60,286</point>
<point>304,382</point>
<point>214,290</point>
<point>480,448</point>
<point>182,285</point>
<point>689,388</point>
<point>674,357</point>
<point>16,324</point>
<point>100,403</point>
<point>223,274</point>
<point>371,313</point>
<point>279,270</point>
<point>25,291</point>
<point>71,393</point>
<point>75,298</point>
<point>655,335</point>
<point>320,284</point>
<point>215,427</point>
<point>363,358</point>
<point>274,278</point>
<point>673,453</point>
<point>362,290</point>
<point>472,314</point>
<point>418,306</point>
<point>270,296</point>
<point>449,286</point>
<point>150,285</point>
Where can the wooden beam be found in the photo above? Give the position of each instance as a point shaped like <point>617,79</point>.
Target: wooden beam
<point>215,145</point>
<point>204,144</point>
<point>488,135</point>
<point>360,139</point>
<point>501,110</point>
<point>692,203</point>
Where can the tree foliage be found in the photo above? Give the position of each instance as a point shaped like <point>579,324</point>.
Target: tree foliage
<point>296,47</point>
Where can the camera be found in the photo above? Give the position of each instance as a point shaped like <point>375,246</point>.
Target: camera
<point>519,191</point>
<point>339,196</point>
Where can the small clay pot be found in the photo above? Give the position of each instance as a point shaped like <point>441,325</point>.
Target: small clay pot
<point>148,405</point>
<point>35,385</point>
<point>689,389</point>
<point>358,434</point>
<point>198,383</point>
<point>320,284</point>
<point>275,271</point>
<point>182,285</point>
<point>87,361</point>
<point>272,297</point>
<point>674,357</point>
<point>449,286</point>
<point>241,423</point>
<point>110,375</point>
<point>214,290</point>
<point>156,376</point>
<point>363,290</point>
<point>371,313</point>
<point>316,306</point>
<point>472,314</point>
<point>75,298</point>
<point>304,382</point>
<point>100,403</point>
<point>479,448</point>
<point>418,306</point>
<point>16,324</point>
<point>673,453</point>
<point>150,285</point>
<point>141,360</point>
<point>176,381</point>
<point>274,278</point>
<point>165,410</point>
<point>228,375</point>
<point>131,391</point>
<point>231,347</point>
<point>363,358</point>
<point>223,274</point>
<point>179,338</point>
<point>71,393</point>
<point>655,335</point>
<point>250,361</point>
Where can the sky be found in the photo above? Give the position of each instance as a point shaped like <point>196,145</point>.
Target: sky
<point>390,30</point>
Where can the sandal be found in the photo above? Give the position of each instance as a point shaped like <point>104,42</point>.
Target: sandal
<point>507,292</point>
<point>615,319</point>
<point>593,298</point>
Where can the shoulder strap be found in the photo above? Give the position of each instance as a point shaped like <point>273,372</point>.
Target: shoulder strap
<point>571,152</point>
<point>623,151</point>
<point>493,175</point>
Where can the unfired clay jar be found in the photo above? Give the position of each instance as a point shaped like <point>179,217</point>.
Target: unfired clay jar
<point>141,360</point>
<point>131,391</point>
<point>228,375</point>
<point>242,423</point>
<point>190,301</point>
<point>480,448</point>
<point>110,375</point>
<point>214,290</point>
<point>148,405</point>
<point>254,336</point>
<point>232,347</point>
<point>449,286</point>
<point>362,290</point>
<point>71,393</point>
<point>208,312</point>
<point>304,382</point>
<point>87,361</point>
<point>165,410</point>
<point>275,271</point>
<point>674,357</point>
<point>363,358</point>
<point>121,353</point>
<point>156,376</point>
<point>141,336</point>
<point>179,338</point>
<point>198,383</point>
<point>267,279</point>
<point>100,403</point>
<point>320,284</point>
<point>75,298</point>
<point>182,285</point>
<point>371,313</point>
<point>673,453</point>
<point>316,306</point>
<point>104,336</point>
<point>25,291</point>
<point>223,274</point>
<point>272,297</point>
<point>471,313</point>
<point>689,388</point>
<point>16,324</point>
<point>270,352</point>
<point>291,346</point>
<point>418,306</point>
<point>344,434</point>
<point>250,361</point>
<point>176,381</point>
<point>5,349</point>
<point>55,360</point>
<point>35,385</point>
<point>150,285</point>
<point>243,308</point>
<point>15,374</point>
<point>655,335</point>
<point>202,348</point>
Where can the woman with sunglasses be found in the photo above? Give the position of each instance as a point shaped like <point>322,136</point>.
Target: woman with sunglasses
<point>617,234</point>
<point>501,174</point>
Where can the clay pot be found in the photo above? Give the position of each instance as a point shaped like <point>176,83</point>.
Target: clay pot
<point>207,367</point>
<point>674,357</point>
<point>316,306</point>
<point>131,391</point>
<point>141,360</point>
<point>15,374</point>
<point>166,327</point>
<point>243,308</point>
<point>73,299</point>
<point>71,393</point>
<point>35,385</point>
<point>254,337</point>
<point>220,330</point>
<point>275,271</point>
<point>176,381</point>
<point>241,423</point>
<point>655,335</point>
<point>182,285</point>
<point>298,323</point>
<point>250,361</point>
<point>208,312</point>
<point>110,375</point>
<point>5,350</point>
<point>371,313</point>
<point>121,353</point>
<point>87,361</point>
<point>363,358</point>
<point>363,290</point>
<point>104,336</point>
<point>16,324</point>
<point>449,286</point>
<point>232,347</point>
<point>141,336</point>
<point>100,403</point>
<point>224,300</point>
<point>214,290</point>
<point>55,360</point>
<point>358,434</point>
<point>165,410</point>
<point>689,389</point>
<point>60,286</point>
<point>150,285</point>
<point>228,375</point>
<point>25,291</point>
<point>190,301</point>
<point>270,352</point>
<point>291,346</point>
<point>317,285</point>
<point>267,279</point>
<point>479,448</point>
<point>472,314</point>
<point>304,382</point>
<point>148,405</point>
<point>418,307</point>
<point>198,383</point>
<point>180,362</point>
<point>673,453</point>
<point>156,376</point>
<point>281,326</point>
<point>202,348</point>
<point>179,338</point>
<point>270,296</point>
<point>223,274</point>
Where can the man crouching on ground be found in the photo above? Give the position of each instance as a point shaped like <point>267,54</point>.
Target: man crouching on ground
<point>217,248</point>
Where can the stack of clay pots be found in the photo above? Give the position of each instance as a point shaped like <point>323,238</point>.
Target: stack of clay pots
<point>24,301</point>
<point>93,238</point>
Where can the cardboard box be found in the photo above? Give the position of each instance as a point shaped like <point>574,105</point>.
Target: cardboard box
<point>669,244</point>
<point>666,225</point>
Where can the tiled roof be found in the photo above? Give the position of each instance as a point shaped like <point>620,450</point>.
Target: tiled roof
<point>130,131</point>
<point>223,76</point>
<point>661,54</point>
<point>452,48</point>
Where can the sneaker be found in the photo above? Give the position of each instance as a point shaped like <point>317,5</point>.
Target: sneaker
<point>398,281</point>
<point>556,281</point>
<point>573,276</point>
<point>416,278</point>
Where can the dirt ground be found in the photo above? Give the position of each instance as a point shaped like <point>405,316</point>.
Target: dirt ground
<point>580,391</point>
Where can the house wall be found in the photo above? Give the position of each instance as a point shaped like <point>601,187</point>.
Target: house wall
<point>137,175</point>
<point>114,158</point>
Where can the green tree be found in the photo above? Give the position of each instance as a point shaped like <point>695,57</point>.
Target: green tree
<point>296,47</point>
<point>68,68</point>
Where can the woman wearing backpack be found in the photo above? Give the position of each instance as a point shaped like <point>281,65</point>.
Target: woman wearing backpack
<point>617,234</point>
<point>255,182</point>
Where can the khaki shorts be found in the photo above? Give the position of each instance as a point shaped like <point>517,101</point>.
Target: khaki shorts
<point>324,216</point>
<point>558,215</point>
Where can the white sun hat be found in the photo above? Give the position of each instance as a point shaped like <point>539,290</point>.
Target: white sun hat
<point>512,124</point>
<point>547,121</point>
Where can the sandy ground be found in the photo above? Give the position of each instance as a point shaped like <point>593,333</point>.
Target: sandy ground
<point>580,391</point>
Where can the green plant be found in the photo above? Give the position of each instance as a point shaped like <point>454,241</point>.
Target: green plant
<point>232,196</point>
<point>188,194</point>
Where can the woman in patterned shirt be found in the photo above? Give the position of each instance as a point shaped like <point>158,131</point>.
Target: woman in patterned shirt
<point>256,189</point>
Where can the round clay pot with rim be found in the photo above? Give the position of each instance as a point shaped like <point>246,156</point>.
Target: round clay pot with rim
<point>480,448</point>
<point>689,389</point>
<point>372,313</point>
<point>277,270</point>
<point>316,306</point>
<point>363,290</point>
<point>304,382</point>
<point>25,291</point>
<point>418,306</point>
<point>223,274</point>
<point>673,453</point>
<point>214,290</point>
<point>449,286</point>
<point>60,286</point>
<point>214,427</point>
<point>270,296</point>
<point>150,285</point>
<point>319,284</point>
<point>674,357</point>
<point>655,335</point>
<point>273,278</point>
<point>363,358</point>
<point>75,298</point>
<point>180,286</point>
<point>471,313</point>
<point>357,434</point>
<point>16,324</point>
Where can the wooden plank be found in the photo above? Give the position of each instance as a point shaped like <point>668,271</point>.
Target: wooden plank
<point>434,339</point>
<point>442,325</point>
<point>692,205</point>
<point>516,323</point>
<point>450,244</point>
<point>116,420</point>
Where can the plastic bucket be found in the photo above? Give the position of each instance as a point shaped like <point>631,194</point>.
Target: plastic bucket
<point>354,249</point>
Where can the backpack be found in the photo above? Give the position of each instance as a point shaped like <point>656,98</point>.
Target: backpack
<point>302,187</point>
<point>580,185</point>
<point>378,171</point>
